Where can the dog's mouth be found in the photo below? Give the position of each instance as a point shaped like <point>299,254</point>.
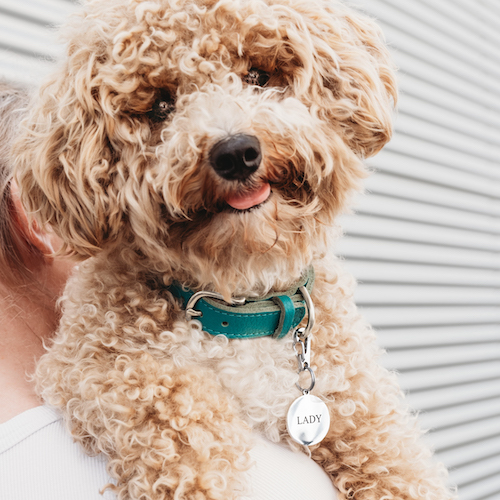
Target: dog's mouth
<point>251,198</point>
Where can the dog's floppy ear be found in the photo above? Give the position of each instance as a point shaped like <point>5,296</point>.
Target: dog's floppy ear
<point>360,76</point>
<point>63,165</point>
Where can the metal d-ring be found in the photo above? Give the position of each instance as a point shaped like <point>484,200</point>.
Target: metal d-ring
<point>311,317</point>
<point>192,313</point>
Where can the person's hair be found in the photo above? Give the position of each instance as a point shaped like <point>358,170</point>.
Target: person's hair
<point>13,271</point>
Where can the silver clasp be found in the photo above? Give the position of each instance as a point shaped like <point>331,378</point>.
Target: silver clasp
<point>302,340</point>
<point>302,336</point>
<point>192,313</point>
<point>304,356</point>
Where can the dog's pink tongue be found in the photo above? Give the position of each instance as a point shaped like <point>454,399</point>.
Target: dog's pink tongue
<point>250,199</point>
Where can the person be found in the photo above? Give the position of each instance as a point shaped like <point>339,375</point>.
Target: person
<point>38,458</point>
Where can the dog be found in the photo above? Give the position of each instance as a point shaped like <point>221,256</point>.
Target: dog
<point>194,155</point>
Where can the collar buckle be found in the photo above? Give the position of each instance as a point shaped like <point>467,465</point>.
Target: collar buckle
<point>193,313</point>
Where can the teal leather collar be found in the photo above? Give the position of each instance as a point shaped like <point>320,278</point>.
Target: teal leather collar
<point>273,315</point>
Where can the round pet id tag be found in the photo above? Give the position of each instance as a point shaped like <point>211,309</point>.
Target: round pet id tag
<point>308,420</point>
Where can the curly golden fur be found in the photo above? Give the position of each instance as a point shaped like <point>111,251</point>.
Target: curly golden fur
<point>115,156</point>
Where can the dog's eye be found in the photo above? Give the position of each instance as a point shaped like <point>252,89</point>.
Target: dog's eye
<point>162,107</point>
<point>257,77</point>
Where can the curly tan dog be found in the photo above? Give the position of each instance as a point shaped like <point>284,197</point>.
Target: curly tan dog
<point>202,145</point>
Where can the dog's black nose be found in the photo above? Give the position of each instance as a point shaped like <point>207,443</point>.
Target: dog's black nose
<point>236,157</point>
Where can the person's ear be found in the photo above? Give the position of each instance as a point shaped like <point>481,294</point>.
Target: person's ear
<point>41,240</point>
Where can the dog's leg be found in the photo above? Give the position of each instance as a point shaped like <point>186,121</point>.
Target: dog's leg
<point>373,450</point>
<point>172,432</point>
<point>168,432</point>
<point>168,428</point>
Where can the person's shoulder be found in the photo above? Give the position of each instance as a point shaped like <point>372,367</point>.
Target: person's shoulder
<point>279,472</point>
<point>40,461</point>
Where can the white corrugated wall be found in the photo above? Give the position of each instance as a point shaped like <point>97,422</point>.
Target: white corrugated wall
<point>425,242</point>
<point>27,37</point>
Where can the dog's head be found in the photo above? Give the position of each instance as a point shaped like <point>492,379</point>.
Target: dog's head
<point>206,134</point>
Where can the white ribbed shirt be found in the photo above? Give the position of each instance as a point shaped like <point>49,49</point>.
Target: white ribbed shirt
<point>40,461</point>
